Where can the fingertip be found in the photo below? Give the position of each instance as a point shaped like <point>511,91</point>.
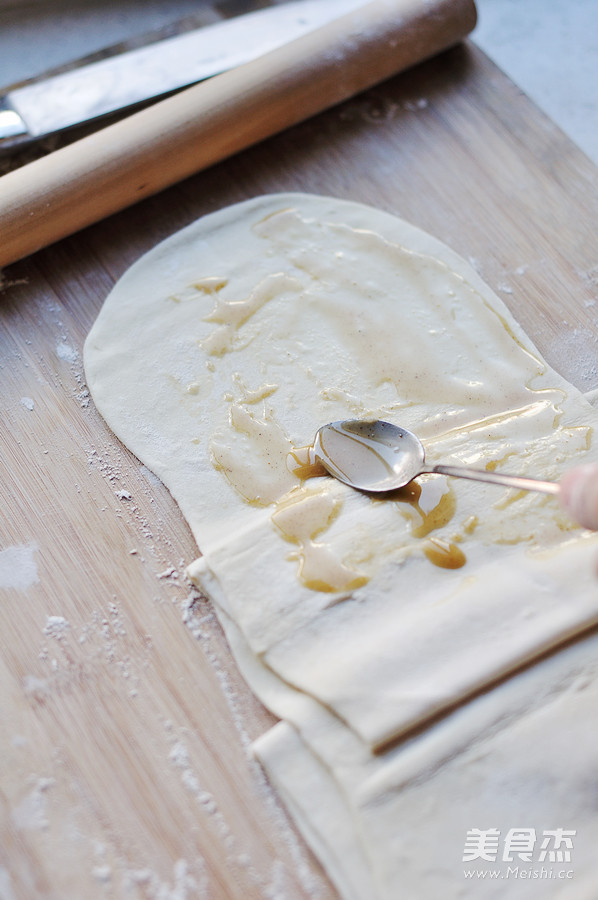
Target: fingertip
<point>579,494</point>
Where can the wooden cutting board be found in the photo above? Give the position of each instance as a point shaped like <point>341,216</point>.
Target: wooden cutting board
<point>125,727</point>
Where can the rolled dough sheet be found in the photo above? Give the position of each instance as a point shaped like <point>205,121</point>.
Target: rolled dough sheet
<point>514,765</point>
<point>517,760</point>
<point>228,345</point>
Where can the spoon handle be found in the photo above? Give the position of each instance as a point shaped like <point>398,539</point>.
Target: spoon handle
<point>516,481</point>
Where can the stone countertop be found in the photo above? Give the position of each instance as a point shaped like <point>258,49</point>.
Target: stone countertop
<point>549,49</point>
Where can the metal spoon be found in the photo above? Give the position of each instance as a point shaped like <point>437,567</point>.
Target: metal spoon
<point>378,456</point>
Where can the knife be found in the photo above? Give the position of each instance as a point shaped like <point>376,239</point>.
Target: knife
<point>48,105</point>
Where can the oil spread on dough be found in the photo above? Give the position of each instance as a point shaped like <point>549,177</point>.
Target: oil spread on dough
<point>434,362</point>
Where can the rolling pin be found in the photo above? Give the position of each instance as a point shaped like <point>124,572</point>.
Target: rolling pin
<point>113,168</point>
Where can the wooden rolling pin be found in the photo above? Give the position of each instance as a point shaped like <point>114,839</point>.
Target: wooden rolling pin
<point>113,168</point>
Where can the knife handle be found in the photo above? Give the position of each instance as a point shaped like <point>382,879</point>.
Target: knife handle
<point>116,166</point>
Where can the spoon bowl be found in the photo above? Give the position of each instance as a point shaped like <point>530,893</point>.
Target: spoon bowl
<point>377,456</point>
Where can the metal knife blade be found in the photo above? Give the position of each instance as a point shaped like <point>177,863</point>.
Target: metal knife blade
<point>49,105</point>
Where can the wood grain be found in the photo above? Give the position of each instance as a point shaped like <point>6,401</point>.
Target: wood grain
<point>124,741</point>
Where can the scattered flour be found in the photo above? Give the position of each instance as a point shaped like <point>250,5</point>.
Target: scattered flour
<point>56,626</point>
<point>101,873</point>
<point>18,568</point>
<point>70,354</point>
<point>179,757</point>
<point>28,403</point>
<point>67,353</point>
<point>30,814</point>
<point>505,288</point>
<point>280,886</point>
<point>201,620</point>
<point>185,886</point>
<point>37,688</point>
